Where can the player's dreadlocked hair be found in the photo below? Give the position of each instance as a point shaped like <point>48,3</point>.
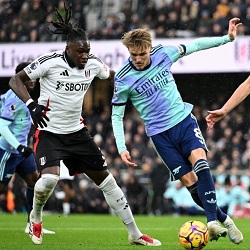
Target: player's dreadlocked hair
<point>64,26</point>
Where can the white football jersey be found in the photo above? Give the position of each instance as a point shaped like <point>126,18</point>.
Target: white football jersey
<point>62,88</point>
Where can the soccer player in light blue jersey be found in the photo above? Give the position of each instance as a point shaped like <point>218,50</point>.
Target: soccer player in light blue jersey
<point>146,79</point>
<point>15,155</point>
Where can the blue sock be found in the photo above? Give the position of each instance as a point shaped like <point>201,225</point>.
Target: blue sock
<point>206,189</point>
<point>29,197</point>
<point>221,216</point>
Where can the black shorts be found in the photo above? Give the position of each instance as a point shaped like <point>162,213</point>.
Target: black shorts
<point>78,151</point>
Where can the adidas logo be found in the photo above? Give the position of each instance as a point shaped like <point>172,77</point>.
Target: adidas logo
<point>212,201</point>
<point>64,73</point>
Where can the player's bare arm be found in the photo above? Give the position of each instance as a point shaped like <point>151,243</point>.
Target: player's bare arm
<point>238,96</point>
<point>16,83</point>
<point>111,78</point>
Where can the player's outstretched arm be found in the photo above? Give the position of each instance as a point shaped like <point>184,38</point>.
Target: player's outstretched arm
<point>204,43</point>
<point>237,97</point>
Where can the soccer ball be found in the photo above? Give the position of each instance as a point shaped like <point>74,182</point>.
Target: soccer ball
<point>193,235</point>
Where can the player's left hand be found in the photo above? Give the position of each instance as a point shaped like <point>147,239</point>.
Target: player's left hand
<point>24,151</point>
<point>233,27</point>
<point>213,117</point>
<point>126,158</point>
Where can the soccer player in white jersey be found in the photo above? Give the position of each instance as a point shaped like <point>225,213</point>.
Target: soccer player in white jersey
<point>146,79</point>
<point>61,133</point>
<point>15,155</point>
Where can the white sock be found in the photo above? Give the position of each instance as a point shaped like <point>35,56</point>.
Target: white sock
<point>43,189</point>
<point>66,208</point>
<point>117,200</point>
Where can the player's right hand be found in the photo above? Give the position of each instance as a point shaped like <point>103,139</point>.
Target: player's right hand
<point>24,151</point>
<point>126,158</point>
<point>37,114</point>
<point>234,24</point>
<point>214,116</point>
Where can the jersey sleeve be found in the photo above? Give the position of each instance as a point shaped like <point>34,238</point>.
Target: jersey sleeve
<point>37,68</point>
<point>119,101</point>
<point>6,133</point>
<point>175,52</point>
<point>8,109</point>
<point>117,123</point>
<point>104,70</point>
<point>8,112</point>
<point>204,43</point>
<point>120,95</point>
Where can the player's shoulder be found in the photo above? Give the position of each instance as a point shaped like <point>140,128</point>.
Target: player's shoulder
<point>156,49</point>
<point>8,94</point>
<point>51,56</point>
<point>94,60</point>
<point>124,70</point>
<point>10,97</point>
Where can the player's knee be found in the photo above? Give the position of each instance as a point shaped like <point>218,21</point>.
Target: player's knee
<point>109,184</point>
<point>46,183</point>
<point>189,179</point>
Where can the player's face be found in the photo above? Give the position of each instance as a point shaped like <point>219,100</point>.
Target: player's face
<point>140,56</point>
<point>78,52</point>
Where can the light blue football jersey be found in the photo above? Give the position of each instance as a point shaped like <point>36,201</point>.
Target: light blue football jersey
<point>14,109</point>
<point>153,91</point>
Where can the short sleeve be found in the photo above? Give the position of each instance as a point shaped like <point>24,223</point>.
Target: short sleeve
<point>104,71</point>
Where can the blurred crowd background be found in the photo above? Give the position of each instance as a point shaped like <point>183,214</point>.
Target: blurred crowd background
<point>147,187</point>
<point>25,20</point>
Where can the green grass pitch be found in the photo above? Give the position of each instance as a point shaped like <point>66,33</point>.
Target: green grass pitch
<point>104,232</point>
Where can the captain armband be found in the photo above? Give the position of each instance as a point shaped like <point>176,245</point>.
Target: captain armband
<point>182,50</point>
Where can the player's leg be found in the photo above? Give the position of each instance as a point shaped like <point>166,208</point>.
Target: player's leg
<point>178,143</point>
<point>234,233</point>
<point>195,142</point>
<point>90,160</point>
<point>49,176</point>
<point>44,187</point>
<point>195,149</point>
<point>7,161</point>
<point>30,180</point>
<point>118,202</point>
<point>206,198</point>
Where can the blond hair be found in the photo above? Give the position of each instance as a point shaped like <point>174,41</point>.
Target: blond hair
<point>137,38</point>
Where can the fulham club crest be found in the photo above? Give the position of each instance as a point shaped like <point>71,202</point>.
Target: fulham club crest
<point>87,73</point>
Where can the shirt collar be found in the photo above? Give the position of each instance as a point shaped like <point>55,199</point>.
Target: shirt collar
<point>70,62</point>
